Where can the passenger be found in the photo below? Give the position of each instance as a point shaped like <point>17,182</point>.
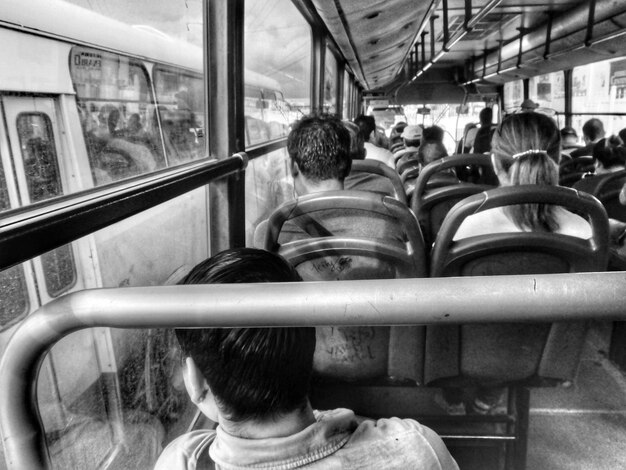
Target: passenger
<point>482,142</point>
<point>319,153</point>
<point>412,137</point>
<point>569,141</point>
<point>364,181</point>
<point>593,133</point>
<point>254,383</point>
<point>525,150</point>
<point>367,126</point>
<point>528,106</point>
<point>622,135</point>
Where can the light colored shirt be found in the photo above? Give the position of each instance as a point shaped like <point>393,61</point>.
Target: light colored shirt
<point>378,153</point>
<point>496,221</point>
<point>337,440</point>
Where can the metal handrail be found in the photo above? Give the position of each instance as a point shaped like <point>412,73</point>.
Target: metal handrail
<point>65,219</point>
<point>380,302</point>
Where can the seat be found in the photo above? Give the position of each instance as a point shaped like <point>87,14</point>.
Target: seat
<point>355,354</point>
<point>432,199</point>
<point>366,173</point>
<point>606,188</point>
<point>572,170</point>
<point>515,355</point>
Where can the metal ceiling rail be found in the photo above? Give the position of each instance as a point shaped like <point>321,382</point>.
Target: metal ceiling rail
<point>378,302</point>
<point>36,229</point>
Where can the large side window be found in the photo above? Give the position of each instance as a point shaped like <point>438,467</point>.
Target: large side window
<point>117,113</point>
<point>180,96</point>
<point>330,82</point>
<point>548,91</point>
<point>599,91</point>
<point>513,95</point>
<point>277,92</point>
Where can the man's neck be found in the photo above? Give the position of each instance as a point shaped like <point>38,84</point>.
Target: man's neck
<point>282,425</point>
<point>310,187</point>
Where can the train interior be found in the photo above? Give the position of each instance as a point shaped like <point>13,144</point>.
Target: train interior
<point>137,163</point>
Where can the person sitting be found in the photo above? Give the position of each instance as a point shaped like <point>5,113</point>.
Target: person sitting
<point>528,106</point>
<point>593,133</point>
<point>412,137</point>
<point>364,181</point>
<point>526,150</point>
<point>482,141</point>
<point>375,150</point>
<point>319,154</point>
<point>569,141</point>
<point>254,383</point>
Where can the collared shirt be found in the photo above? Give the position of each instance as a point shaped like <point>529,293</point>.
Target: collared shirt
<point>337,440</point>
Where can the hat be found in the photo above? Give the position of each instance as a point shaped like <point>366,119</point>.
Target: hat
<point>412,132</point>
<point>567,130</point>
<point>529,104</point>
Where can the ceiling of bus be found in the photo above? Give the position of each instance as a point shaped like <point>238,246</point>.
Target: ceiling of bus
<point>380,39</point>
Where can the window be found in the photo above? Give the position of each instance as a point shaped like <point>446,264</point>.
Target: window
<point>513,95</point>
<point>180,96</point>
<point>118,115</point>
<point>277,46</point>
<point>330,82</point>
<point>599,89</point>
<point>346,95</point>
<point>548,91</point>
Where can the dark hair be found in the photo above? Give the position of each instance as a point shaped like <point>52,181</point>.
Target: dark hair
<point>593,129</point>
<point>429,151</point>
<point>357,147</point>
<point>252,372</point>
<point>432,134</point>
<point>367,125</point>
<point>622,135</point>
<point>527,146</point>
<point>485,116</point>
<point>611,154</point>
<point>320,145</point>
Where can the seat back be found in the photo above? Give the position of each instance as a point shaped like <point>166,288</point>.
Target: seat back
<point>347,253</point>
<point>572,170</point>
<point>431,201</point>
<point>503,354</point>
<point>361,168</point>
<point>607,189</point>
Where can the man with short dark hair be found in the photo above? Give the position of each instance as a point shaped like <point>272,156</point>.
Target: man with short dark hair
<point>254,383</point>
<point>593,133</point>
<point>367,126</point>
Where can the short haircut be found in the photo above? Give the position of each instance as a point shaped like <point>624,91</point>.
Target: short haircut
<point>593,129</point>
<point>254,373</point>
<point>367,125</point>
<point>320,145</point>
<point>357,145</point>
<point>485,116</point>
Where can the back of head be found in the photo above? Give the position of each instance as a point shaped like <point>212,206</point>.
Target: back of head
<point>431,151</point>
<point>593,129</point>
<point>611,153</point>
<point>320,145</point>
<point>367,125</point>
<point>412,135</point>
<point>357,145</point>
<point>485,116</point>
<point>252,372</point>
<point>527,147</point>
<point>432,134</point>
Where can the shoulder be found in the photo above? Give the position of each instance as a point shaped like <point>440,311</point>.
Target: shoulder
<point>184,452</point>
<point>485,222</point>
<point>400,443</point>
<point>572,224</point>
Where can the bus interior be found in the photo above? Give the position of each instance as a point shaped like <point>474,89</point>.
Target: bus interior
<point>139,138</point>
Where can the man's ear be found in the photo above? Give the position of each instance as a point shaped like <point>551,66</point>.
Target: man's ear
<point>195,383</point>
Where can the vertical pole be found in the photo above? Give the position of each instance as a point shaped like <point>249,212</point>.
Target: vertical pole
<point>224,75</point>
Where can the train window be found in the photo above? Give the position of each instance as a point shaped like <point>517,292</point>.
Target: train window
<point>277,44</point>
<point>116,107</point>
<point>180,96</point>
<point>548,91</point>
<point>599,90</point>
<point>13,300</point>
<point>513,95</point>
<point>330,82</point>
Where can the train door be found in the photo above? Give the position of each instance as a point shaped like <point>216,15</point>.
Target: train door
<point>78,380</point>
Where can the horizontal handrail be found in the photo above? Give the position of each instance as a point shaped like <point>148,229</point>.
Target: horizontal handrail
<point>36,229</point>
<point>554,297</point>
